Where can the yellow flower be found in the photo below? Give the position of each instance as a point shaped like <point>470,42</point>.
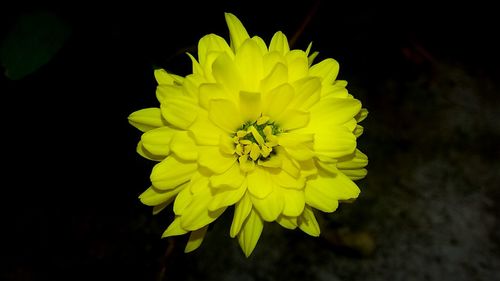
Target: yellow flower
<point>259,128</point>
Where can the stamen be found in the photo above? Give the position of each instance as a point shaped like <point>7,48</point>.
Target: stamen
<point>245,142</point>
<point>268,131</point>
<point>255,152</point>
<point>239,149</point>
<point>247,148</point>
<point>262,120</point>
<point>256,135</point>
<point>255,141</point>
<point>241,133</point>
<point>265,151</point>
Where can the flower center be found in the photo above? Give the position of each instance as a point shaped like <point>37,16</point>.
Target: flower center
<point>255,140</point>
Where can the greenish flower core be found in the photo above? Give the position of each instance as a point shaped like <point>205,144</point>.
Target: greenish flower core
<point>260,128</point>
<point>255,140</point>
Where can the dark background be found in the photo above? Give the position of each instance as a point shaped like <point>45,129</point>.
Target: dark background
<point>428,75</point>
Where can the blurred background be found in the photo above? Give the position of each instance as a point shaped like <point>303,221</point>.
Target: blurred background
<point>428,208</point>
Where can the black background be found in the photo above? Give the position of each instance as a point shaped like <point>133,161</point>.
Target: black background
<point>71,174</point>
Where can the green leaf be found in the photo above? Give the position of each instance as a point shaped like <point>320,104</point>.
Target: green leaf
<point>32,42</point>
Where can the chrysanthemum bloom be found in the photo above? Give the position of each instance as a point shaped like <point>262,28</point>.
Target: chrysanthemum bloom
<point>257,127</point>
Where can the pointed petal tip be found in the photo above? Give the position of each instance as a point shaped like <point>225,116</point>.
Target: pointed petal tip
<point>279,43</point>
<point>231,17</point>
<point>195,239</point>
<point>237,32</point>
<point>247,253</point>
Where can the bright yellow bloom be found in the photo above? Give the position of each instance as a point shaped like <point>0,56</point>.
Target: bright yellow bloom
<point>259,128</point>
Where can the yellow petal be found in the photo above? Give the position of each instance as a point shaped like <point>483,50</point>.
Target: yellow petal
<point>275,71</point>
<point>250,233</point>
<point>227,74</point>
<point>183,146</point>
<point>165,78</point>
<point>333,111</point>
<point>225,115</point>
<point>182,200</point>
<point>361,115</point>
<point>196,67</point>
<point>287,222</point>
<point>350,124</point>
<point>271,162</point>
<point>335,143</point>
<point>157,141</point>
<point>358,131</point>
<point>328,164</point>
<point>260,43</point>
<point>312,57</point>
<point>308,168</point>
<point>226,144</point>
<point>241,212</point>
<point>172,172</point>
<point>248,59</point>
<point>289,164</point>
<point>204,131</point>
<point>211,91</point>
<point>153,196</point>
<point>174,229</point>
<point>308,93</point>
<point>158,208</point>
<point>250,105</point>
<point>309,47</point>
<point>237,32</point>
<point>212,43</point>
<point>271,206</point>
<point>196,215</point>
<point>355,174</point>
<point>300,152</point>
<point>195,239</point>
<point>146,119</point>
<point>355,161</point>
<point>340,83</point>
<point>210,157</point>
<point>337,186</point>
<point>293,119</point>
<point>279,43</point>
<point>180,111</point>
<point>285,180</point>
<point>246,165</point>
<point>165,91</point>
<point>259,183</point>
<point>294,139</point>
<point>307,222</point>
<point>319,197</point>
<point>199,183</point>
<point>277,100</point>
<point>208,76</point>
<point>226,198</point>
<point>334,91</point>
<point>232,178</point>
<point>327,69</point>
<point>294,202</point>
<point>298,65</point>
<point>146,154</point>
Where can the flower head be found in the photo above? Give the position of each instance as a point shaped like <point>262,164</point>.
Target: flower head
<point>257,127</point>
